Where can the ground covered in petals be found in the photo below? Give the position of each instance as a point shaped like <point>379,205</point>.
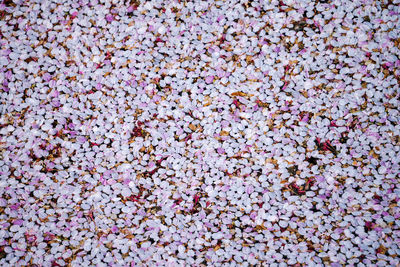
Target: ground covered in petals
<point>199,133</point>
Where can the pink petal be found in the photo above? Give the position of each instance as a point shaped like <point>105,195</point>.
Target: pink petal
<point>18,222</point>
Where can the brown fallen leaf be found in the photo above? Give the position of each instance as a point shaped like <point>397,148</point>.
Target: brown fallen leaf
<point>192,127</point>
<point>238,93</point>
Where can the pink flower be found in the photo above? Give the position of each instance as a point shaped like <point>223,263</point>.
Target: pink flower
<point>8,75</point>
<point>220,73</point>
<point>132,8</point>
<point>14,206</point>
<point>81,139</point>
<point>109,17</point>
<point>151,164</point>
<point>209,79</point>
<point>73,15</point>
<point>47,77</point>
